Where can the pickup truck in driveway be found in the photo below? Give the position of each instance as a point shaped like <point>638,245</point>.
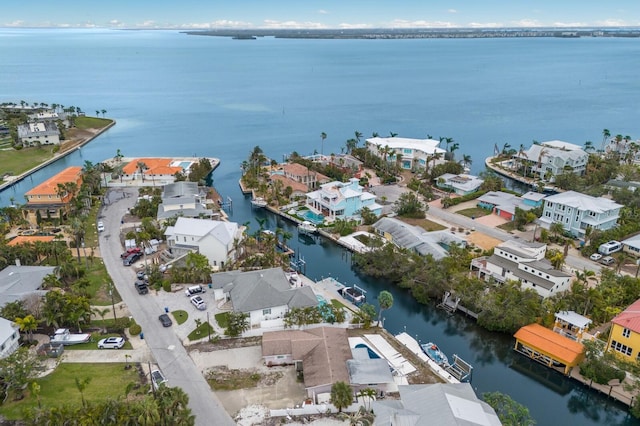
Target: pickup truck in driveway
<point>141,287</point>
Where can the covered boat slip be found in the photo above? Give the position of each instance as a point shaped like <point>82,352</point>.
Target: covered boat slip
<point>549,348</point>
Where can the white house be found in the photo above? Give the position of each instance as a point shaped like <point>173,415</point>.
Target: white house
<point>577,212</point>
<point>40,133</point>
<point>264,295</point>
<point>9,337</point>
<point>414,154</point>
<point>555,157</point>
<point>183,199</point>
<point>632,245</point>
<point>212,238</point>
<point>460,184</point>
<point>522,261</point>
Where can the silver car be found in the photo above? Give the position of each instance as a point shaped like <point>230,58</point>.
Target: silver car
<point>111,343</point>
<point>198,302</point>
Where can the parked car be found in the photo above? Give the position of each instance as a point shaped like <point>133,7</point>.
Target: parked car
<point>595,257</point>
<point>130,251</point>
<point>607,260</point>
<point>157,379</point>
<point>129,260</point>
<point>111,343</point>
<point>165,320</point>
<point>141,287</point>
<point>194,289</point>
<point>142,275</point>
<point>100,226</point>
<point>199,303</point>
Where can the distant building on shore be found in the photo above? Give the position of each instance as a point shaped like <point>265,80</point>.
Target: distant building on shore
<point>552,158</point>
<point>411,154</point>
<point>39,133</point>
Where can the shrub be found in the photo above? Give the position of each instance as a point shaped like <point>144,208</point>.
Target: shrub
<point>166,286</point>
<point>135,329</point>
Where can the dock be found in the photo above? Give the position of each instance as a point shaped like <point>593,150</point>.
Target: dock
<point>412,344</point>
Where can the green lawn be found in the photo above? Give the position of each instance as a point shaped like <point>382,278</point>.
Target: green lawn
<point>98,288</point>
<point>201,332</point>
<point>91,122</point>
<point>16,162</point>
<point>180,316</point>
<point>474,212</point>
<point>222,319</point>
<point>107,381</point>
<point>93,344</point>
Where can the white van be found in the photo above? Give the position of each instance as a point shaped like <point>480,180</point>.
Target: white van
<point>194,289</point>
<point>610,247</point>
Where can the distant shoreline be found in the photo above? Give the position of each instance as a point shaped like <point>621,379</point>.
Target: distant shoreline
<point>420,33</point>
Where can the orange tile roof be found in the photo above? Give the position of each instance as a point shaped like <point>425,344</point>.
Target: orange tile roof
<point>155,166</point>
<point>630,317</point>
<point>540,338</point>
<point>24,239</point>
<point>50,186</point>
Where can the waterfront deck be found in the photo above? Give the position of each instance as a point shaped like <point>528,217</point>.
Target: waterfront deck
<point>413,345</point>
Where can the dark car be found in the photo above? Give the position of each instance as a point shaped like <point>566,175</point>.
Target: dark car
<point>141,287</point>
<point>142,275</point>
<point>128,261</point>
<point>165,320</point>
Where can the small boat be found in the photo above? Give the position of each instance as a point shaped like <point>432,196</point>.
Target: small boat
<point>354,294</point>
<point>432,351</point>
<point>259,202</point>
<point>307,227</point>
<point>64,336</point>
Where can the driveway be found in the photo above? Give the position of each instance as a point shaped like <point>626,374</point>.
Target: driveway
<point>165,346</point>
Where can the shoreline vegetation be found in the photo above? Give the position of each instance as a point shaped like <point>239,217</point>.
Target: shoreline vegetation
<point>418,33</point>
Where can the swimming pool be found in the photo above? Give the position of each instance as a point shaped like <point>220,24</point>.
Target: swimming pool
<point>372,354</point>
<point>312,217</point>
<point>185,164</point>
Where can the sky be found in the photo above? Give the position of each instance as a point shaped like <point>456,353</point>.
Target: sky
<point>318,14</point>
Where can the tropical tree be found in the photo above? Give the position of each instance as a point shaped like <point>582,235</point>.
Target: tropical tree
<point>81,385</point>
<point>237,323</point>
<point>141,166</point>
<point>341,395</point>
<point>323,136</point>
<point>556,229</point>
<point>16,371</point>
<point>27,324</point>
<point>385,301</point>
<point>510,412</point>
<point>466,160</point>
<point>104,111</point>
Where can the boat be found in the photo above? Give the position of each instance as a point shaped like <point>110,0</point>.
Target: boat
<point>259,202</point>
<point>64,336</point>
<point>307,227</point>
<point>354,294</point>
<point>433,351</point>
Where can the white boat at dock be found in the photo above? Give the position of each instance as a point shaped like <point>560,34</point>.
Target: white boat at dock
<point>307,227</point>
<point>258,202</point>
<point>433,351</point>
<point>64,336</point>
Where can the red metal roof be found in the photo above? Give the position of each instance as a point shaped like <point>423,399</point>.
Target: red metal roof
<point>630,317</point>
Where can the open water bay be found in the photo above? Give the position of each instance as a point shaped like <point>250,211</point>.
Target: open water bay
<point>179,95</point>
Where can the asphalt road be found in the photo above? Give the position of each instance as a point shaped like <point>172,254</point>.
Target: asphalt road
<point>165,346</point>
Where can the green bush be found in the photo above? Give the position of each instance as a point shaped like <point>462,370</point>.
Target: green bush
<point>120,325</point>
<point>166,286</point>
<point>135,329</point>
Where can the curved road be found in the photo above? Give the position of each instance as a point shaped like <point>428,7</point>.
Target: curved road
<point>170,355</point>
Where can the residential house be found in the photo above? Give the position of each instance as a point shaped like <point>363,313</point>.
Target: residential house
<point>214,239</point>
<point>183,199</point>
<point>367,372</point>
<point>572,325</point>
<point>632,245</point>
<point>505,204</point>
<point>321,355</point>
<point>9,337</point>
<point>159,171</point>
<point>18,282</point>
<point>264,295</point>
<point>410,154</point>
<point>304,175</point>
<point>30,239</point>
<point>618,184</point>
<point>415,238</point>
<point>624,338</point>
<point>577,212</point>
<point>525,262</point>
<point>625,149</point>
<point>342,200</point>
<point>45,115</point>
<point>553,158</point>
<point>435,404</point>
<point>345,162</point>
<point>52,198</point>
<point>459,184</point>
<point>40,133</point>
<point>298,190</point>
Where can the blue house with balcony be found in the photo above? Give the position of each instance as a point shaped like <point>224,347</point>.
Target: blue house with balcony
<point>342,200</point>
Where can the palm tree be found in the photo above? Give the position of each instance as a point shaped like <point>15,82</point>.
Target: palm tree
<point>141,166</point>
<point>104,111</point>
<point>358,136</point>
<point>102,312</point>
<point>605,135</point>
<point>341,395</point>
<point>556,229</point>
<point>82,384</point>
<point>466,161</point>
<point>323,136</point>
<point>27,324</point>
<point>385,300</point>
<point>588,146</point>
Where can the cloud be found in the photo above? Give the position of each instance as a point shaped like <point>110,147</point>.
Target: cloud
<point>323,12</point>
<point>569,24</point>
<point>486,25</point>
<point>346,26</point>
<point>147,24</point>
<point>17,23</point>
<point>611,23</point>
<point>452,11</point>
<point>526,23</point>
<point>294,25</point>
<point>402,23</point>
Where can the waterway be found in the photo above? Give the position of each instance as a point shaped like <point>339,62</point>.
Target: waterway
<point>178,95</point>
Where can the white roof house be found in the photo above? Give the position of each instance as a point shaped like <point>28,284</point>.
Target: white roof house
<point>414,153</point>
<point>9,337</point>
<point>43,132</point>
<point>554,156</point>
<point>183,199</point>
<point>212,238</point>
<point>18,282</point>
<point>461,184</point>
<point>632,245</point>
<point>577,212</point>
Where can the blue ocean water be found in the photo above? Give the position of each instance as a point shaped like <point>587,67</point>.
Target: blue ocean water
<point>179,95</point>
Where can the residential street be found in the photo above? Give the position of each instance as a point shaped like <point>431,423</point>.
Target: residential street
<point>165,346</point>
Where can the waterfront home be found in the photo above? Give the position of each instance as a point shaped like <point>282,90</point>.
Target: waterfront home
<point>415,238</point>
<point>459,184</point>
<point>624,148</point>
<point>183,199</point>
<point>18,282</point>
<point>158,170</point>
<point>624,338</point>
<point>522,261</point>
<point>345,162</point>
<point>504,204</point>
<point>577,212</point>
<point>435,404</point>
<point>302,174</point>
<point>572,325</point>
<point>39,133</point>
<point>52,198</point>
<point>214,239</point>
<point>321,355</point>
<point>410,154</point>
<point>46,115</point>
<point>552,158</point>
<point>298,190</point>
<point>9,337</point>
<point>264,295</point>
<point>549,348</point>
<point>342,200</point>
<point>632,245</point>
<point>617,184</point>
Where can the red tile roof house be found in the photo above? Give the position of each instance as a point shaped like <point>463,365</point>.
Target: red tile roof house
<point>302,174</point>
<point>158,171</point>
<point>49,200</point>
<point>297,189</point>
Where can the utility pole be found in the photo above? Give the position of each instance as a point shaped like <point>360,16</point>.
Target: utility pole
<point>209,327</point>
